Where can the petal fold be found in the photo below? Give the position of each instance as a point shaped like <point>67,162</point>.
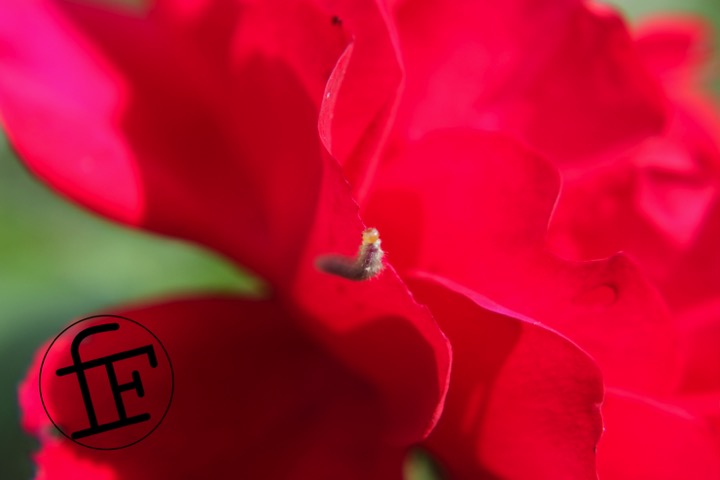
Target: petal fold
<point>562,76</point>
<point>649,439</point>
<point>200,123</point>
<point>474,207</point>
<point>524,402</point>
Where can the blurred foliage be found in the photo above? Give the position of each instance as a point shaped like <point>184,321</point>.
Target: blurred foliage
<point>420,466</point>
<point>58,262</point>
<point>637,10</point>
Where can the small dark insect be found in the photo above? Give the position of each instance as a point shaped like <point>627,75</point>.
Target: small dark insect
<point>367,264</point>
<point>335,20</point>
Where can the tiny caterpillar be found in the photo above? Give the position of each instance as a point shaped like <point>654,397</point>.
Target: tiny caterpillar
<point>367,264</point>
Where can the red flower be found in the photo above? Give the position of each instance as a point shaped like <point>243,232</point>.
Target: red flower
<point>202,124</point>
<point>661,203</point>
<point>199,120</point>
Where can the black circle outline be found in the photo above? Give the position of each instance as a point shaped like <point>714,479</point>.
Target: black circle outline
<point>172,381</point>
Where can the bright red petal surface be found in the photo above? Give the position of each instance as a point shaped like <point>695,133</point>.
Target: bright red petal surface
<point>648,439</point>
<point>58,460</point>
<point>254,398</point>
<point>661,203</point>
<point>562,76</point>
<point>474,208</point>
<point>705,406</point>
<point>362,93</point>
<point>699,330</point>
<point>659,207</point>
<point>523,401</point>
<point>199,123</point>
<point>59,102</point>
<point>217,114</point>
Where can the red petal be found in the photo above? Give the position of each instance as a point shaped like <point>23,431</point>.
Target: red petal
<point>474,208</point>
<point>699,330</point>
<point>523,401</point>
<point>661,204</point>
<point>59,459</point>
<point>674,45</point>
<point>226,148</point>
<point>254,398</point>
<point>362,93</point>
<point>367,321</point>
<point>225,140</point>
<point>59,102</point>
<point>705,406</point>
<point>200,124</point>
<point>562,76</point>
<point>648,439</point>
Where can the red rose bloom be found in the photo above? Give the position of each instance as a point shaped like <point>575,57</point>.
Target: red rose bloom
<point>259,130</point>
<point>660,203</point>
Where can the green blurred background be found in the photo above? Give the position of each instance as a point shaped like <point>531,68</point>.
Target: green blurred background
<point>58,262</point>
